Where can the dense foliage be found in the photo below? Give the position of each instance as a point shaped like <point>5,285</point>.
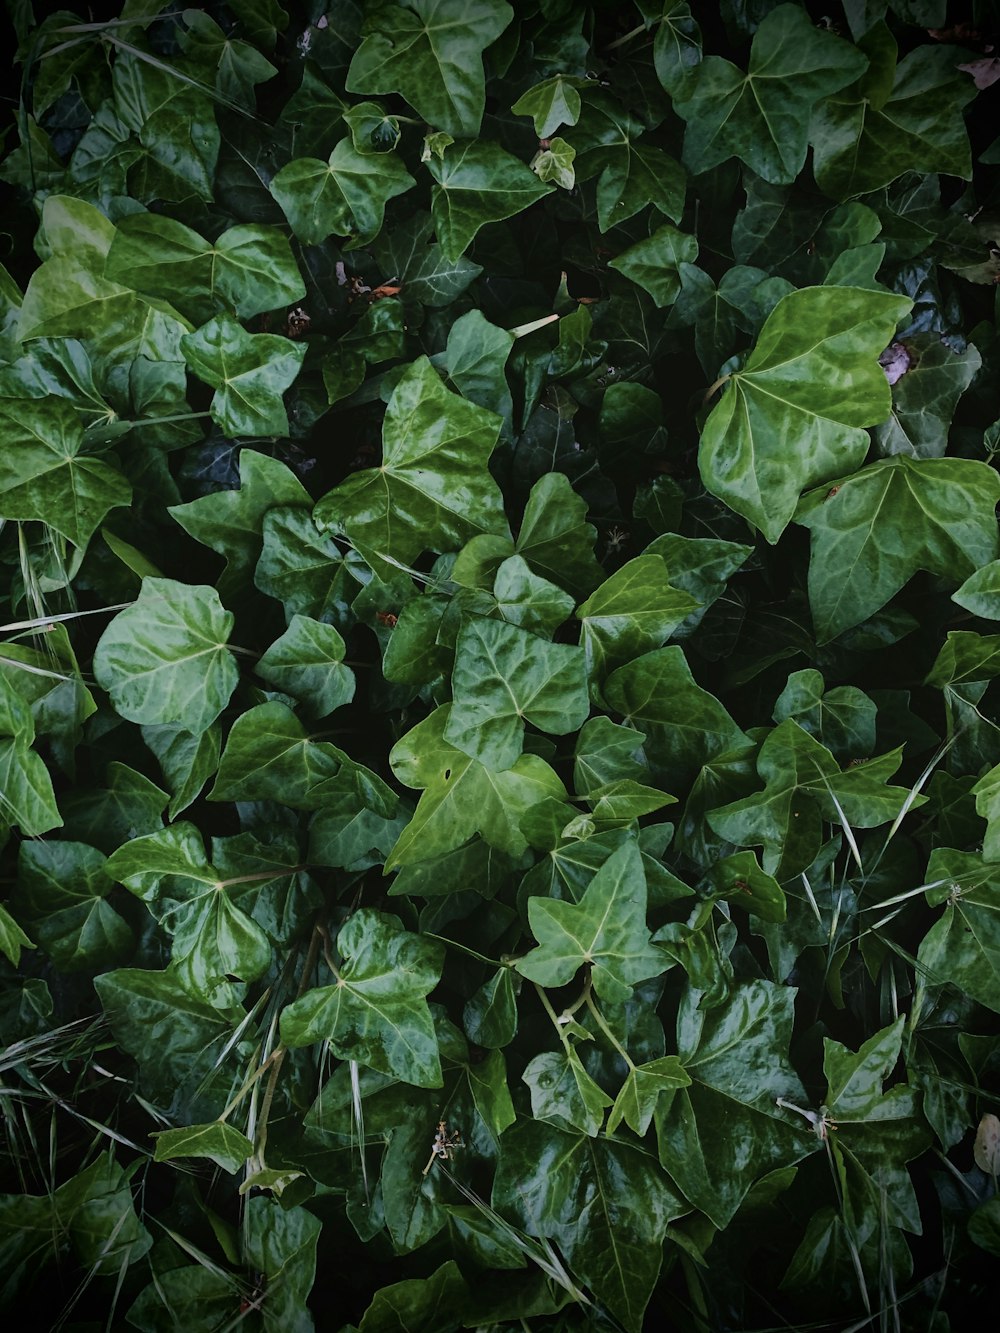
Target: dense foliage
<point>498,706</point>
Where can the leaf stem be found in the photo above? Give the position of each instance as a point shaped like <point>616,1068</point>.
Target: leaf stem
<point>599,1019</point>
<point>547,1005</point>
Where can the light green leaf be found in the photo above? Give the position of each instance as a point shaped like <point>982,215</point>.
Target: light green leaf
<point>431,54</point>
<point>795,415</point>
<point>476,183</point>
<point>46,476</point>
<point>13,939</point>
<point>641,1090</point>
<point>524,599</point>
<point>346,195</point>
<point>607,753</point>
<point>219,1142</point>
<point>433,490</point>
<point>461,797</point>
<point>551,103</point>
<point>504,677</point>
<point>249,268</point>
<point>875,529</point>
<point>249,372</point>
<point>724,1132</point>
<point>605,929</point>
<point>631,613</point>
<point>980,593</point>
<point>308,663</point>
<point>863,141</point>
<point>763,116</point>
<point>304,569</point>
<point>376,1013</point>
<point>654,262</point>
<point>269,755</point>
<point>563,1091</point>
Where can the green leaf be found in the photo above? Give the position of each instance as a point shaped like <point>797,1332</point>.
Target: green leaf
<point>640,1093</point>
<point>219,1142</point>
<point>677,50</point>
<point>504,677</point>
<point>187,761</point>
<point>419,1305</point>
<point>631,613</point>
<point>280,1244</point>
<point>433,490</point>
<point>308,663</point>
<point>61,897</point>
<point>740,879</point>
<point>346,195</point>
<point>603,1201</point>
<point>45,476</point>
<point>858,558</point>
<point>804,786</point>
<point>980,593</point>
<point>13,939</point>
<point>864,138</point>
<point>460,796</point>
<point>477,183</point>
<point>812,377</point>
<point>303,568</point>
<point>532,603</point>
<point>763,116</point>
<point>249,268</point>
<point>165,657</point>
<point>231,521</point>
<point>551,103</point>
<point>654,262</point>
<point>685,725</point>
<point>555,539</point>
<point>925,396</point>
<point>249,372</point>
<point>431,53</point>
<point>842,718</point>
<point>724,1131</point>
<point>606,929</point>
<point>563,1091</point>
<point>376,1013</point>
<point>962,948</point>
<point>408,259</point>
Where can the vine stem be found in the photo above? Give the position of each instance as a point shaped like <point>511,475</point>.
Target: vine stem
<point>547,1005</point>
<point>599,1019</point>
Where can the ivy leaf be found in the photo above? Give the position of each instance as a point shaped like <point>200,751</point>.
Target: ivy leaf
<point>563,1091</point>
<point>219,1142</point>
<point>874,132</point>
<point>605,929</point>
<point>654,263</point>
<point>603,1201</point>
<point>230,521</point>
<point>269,755</point>
<point>303,568</point>
<point>551,103</point>
<point>477,183</point>
<point>435,1304</point>
<point>641,1090</point>
<point>461,797</point>
<point>740,879</point>
<point>249,268</point>
<point>376,1013</point>
<point>814,377</point>
<point>857,560</point>
<point>804,785</point>
<point>165,657</point>
<point>280,1243</point>
<point>61,897</point>
<point>308,663</point>
<point>45,474</point>
<point>685,725</point>
<point>249,372</point>
<point>532,603</point>
<point>962,948</point>
<point>631,613</point>
<point>842,718</point>
<point>677,50</point>
<point>431,54</point>
<point>763,116</point>
<point>924,399</point>
<point>555,539</point>
<point>724,1131</point>
<point>407,257</point>
<point>346,195</point>
<point>504,677</point>
<point>433,489</point>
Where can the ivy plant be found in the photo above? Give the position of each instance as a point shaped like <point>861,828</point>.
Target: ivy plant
<point>499,716</point>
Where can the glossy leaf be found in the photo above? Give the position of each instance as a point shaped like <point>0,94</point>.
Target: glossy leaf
<point>763,116</point>
<point>856,564</point>
<point>308,663</point>
<point>219,1142</point>
<point>813,377</point>
<point>376,1013</point>
<point>432,490</point>
<point>346,195</point>
<point>631,613</point>
<point>477,183</point>
<point>249,372</point>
